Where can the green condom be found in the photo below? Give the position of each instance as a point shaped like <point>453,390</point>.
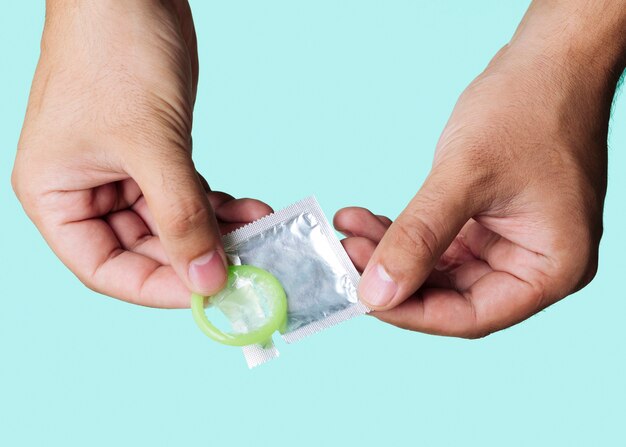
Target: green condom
<point>253,301</point>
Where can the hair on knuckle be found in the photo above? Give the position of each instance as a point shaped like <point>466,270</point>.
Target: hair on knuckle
<point>417,238</point>
<point>187,218</point>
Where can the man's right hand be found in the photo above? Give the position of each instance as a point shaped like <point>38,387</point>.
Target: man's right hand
<point>509,219</point>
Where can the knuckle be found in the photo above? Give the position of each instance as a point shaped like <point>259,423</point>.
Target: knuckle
<point>90,283</point>
<point>189,217</point>
<point>416,237</point>
<point>23,189</point>
<point>590,274</point>
<point>584,269</point>
<point>477,333</point>
<point>574,267</point>
<point>16,184</point>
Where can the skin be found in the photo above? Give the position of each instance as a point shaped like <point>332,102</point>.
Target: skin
<point>104,166</point>
<point>509,219</point>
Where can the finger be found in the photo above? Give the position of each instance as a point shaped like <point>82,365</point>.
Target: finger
<point>242,210</point>
<point>366,230</point>
<point>456,254</point>
<point>217,198</point>
<point>140,207</point>
<point>359,250</point>
<point>385,220</point>
<point>413,244</point>
<point>226,227</point>
<point>204,183</point>
<point>467,274</point>
<point>496,301</point>
<point>184,218</point>
<point>236,213</point>
<point>92,251</point>
<point>355,221</point>
<point>138,279</point>
<point>360,222</point>
<point>133,235</point>
<point>230,217</point>
<point>503,254</point>
<point>97,201</point>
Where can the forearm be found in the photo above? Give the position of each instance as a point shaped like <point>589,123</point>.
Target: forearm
<point>589,33</point>
<point>569,55</point>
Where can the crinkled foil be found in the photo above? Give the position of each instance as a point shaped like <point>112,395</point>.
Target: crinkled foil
<point>300,248</point>
<point>301,257</point>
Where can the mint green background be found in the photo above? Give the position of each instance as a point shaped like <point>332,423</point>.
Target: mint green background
<point>344,100</point>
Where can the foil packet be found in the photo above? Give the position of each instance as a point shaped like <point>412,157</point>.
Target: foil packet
<point>300,248</point>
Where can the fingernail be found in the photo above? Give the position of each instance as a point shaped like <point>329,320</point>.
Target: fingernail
<point>207,273</point>
<point>377,288</point>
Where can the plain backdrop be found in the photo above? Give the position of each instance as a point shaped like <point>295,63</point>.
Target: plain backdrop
<point>344,100</point>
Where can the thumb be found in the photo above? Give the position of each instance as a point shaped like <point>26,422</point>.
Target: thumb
<point>185,221</point>
<point>412,245</point>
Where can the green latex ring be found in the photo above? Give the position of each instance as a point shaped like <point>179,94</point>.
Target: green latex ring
<point>261,335</point>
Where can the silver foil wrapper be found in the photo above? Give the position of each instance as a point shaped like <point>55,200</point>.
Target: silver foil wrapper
<point>300,248</point>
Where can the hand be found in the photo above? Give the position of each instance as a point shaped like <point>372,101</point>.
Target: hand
<point>104,164</point>
<point>510,217</point>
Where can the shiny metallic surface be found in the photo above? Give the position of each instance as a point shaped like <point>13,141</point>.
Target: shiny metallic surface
<point>301,256</point>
